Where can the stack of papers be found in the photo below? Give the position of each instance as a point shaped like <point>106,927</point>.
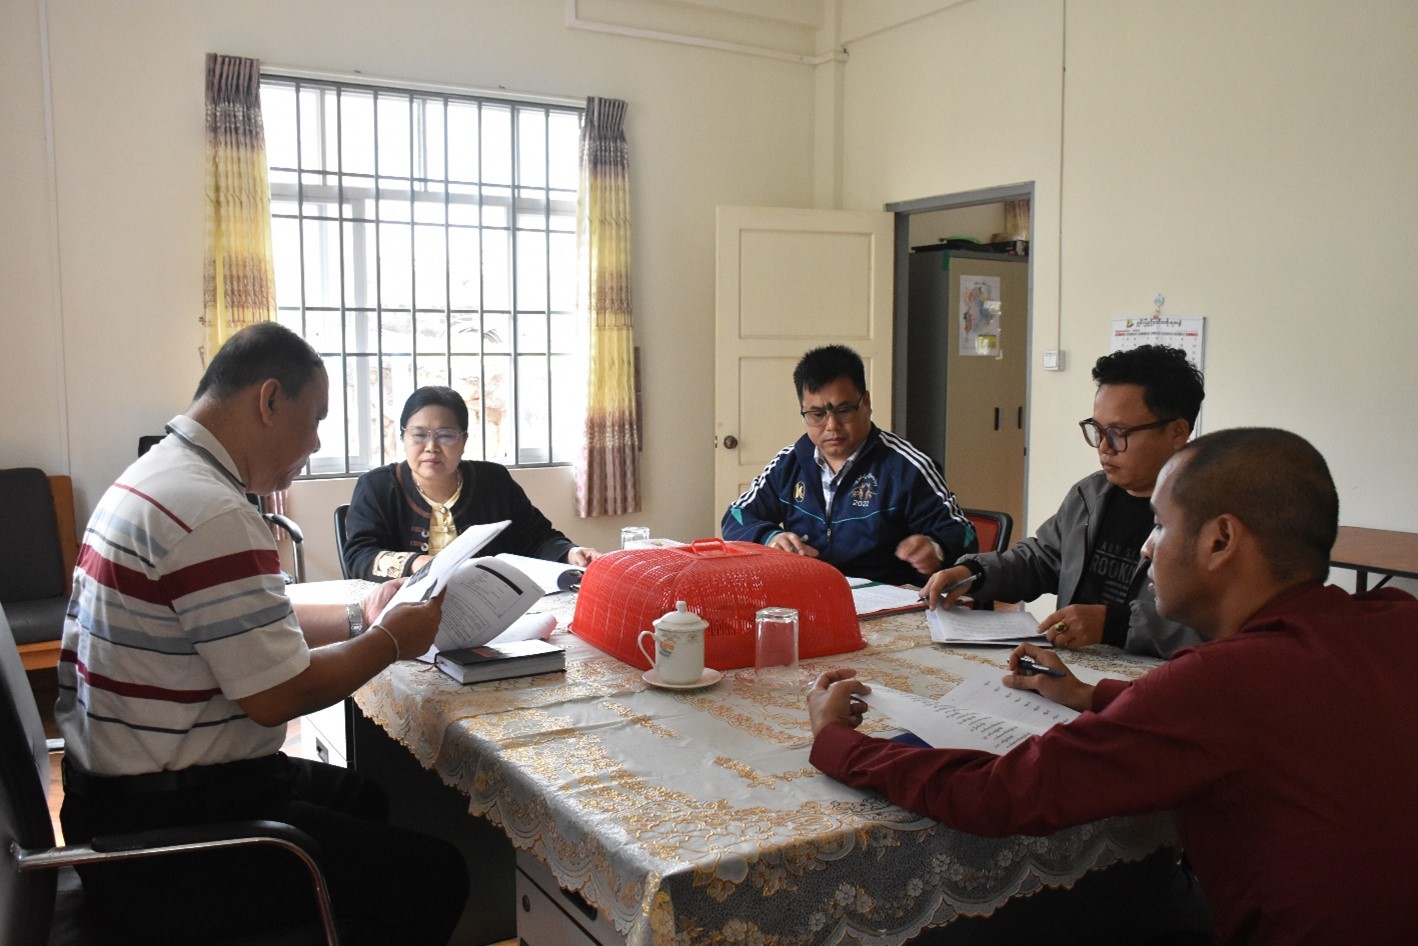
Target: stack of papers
<point>980,713</point>
<point>964,626</point>
<point>872,598</point>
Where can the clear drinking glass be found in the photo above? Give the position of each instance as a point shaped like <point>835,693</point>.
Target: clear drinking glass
<point>775,653</point>
<point>631,534</point>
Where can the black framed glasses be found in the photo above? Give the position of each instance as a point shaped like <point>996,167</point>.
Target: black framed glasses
<point>817,416</point>
<point>1117,437</point>
<point>446,436</point>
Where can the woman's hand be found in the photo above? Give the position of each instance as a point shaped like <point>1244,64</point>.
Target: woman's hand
<point>581,556</point>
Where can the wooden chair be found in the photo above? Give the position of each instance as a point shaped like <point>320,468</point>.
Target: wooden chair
<point>39,544</point>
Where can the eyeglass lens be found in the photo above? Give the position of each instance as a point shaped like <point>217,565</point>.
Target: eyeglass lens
<point>817,416</point>
<point>446,436</point>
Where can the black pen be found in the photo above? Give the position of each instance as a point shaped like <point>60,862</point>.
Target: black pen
<point>1026,667</point>
<point>952,586</point>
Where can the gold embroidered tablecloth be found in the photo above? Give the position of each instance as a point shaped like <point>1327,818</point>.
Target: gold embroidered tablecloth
<point>693,816</point>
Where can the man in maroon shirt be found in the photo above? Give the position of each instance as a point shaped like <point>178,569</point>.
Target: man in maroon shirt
<point>1284,743</point>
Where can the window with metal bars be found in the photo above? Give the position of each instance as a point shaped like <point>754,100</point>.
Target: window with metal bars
<point>429,238</point>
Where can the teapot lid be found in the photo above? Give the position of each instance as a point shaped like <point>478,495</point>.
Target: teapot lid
<point>681,618</point>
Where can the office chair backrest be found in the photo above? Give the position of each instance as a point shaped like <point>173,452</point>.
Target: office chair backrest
<point>991,528</point>
<point>26,899</point>
<point>340,512</point>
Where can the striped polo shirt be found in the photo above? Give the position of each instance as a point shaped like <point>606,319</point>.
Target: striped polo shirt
<point>179,609</point>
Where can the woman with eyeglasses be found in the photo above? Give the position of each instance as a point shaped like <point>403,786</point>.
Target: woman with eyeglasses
<point>404,513</point>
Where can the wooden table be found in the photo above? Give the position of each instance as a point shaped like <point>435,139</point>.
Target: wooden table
<point>1392,554</point>
<point>694,817</point>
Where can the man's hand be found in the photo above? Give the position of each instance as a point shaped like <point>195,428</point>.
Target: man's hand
<point>581,556</point>
<point>1067,690</point>
<point>919,552</point>
<point>833,699</point>
<point>414,624</point>
<point>1075,626</point>
<point>378,597</point>
<point>792,542</point>
<point>944,579</point>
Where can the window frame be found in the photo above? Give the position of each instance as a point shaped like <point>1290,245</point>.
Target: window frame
<point>362,440</point>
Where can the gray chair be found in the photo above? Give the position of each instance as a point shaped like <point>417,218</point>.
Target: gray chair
<point>991,528</point>
<point>38,547</point>
<point>341,511</point>
<point>33,871</point>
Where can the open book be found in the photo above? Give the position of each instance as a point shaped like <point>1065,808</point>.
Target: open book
<point>964,626</point>
<point>485,595</point>
<point>980,713</point>
<point>550,576</point>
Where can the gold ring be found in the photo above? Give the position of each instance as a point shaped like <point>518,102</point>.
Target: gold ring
<point>1061,628</point>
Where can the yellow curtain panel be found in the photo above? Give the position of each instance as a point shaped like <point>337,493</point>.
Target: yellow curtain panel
<point>608,476</point>
<point>239,281</point>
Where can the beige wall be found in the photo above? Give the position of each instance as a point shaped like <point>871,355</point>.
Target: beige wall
<point>1254,162</point>
<point>105,350</point>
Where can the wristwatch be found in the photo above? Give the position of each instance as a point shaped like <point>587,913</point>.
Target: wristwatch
<point>354,614</point>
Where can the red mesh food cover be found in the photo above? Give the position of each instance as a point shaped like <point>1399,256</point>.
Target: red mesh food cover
<point>725,583</point>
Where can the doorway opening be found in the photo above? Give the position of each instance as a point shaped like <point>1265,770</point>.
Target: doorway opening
<point>963,327</point>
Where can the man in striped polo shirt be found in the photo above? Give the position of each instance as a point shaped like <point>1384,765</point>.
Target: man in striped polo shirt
<point>183,660</point>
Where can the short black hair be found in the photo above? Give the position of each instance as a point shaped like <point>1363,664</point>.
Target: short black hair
<point>257,354</point>
<point>1171,385</point>
<point>1275,482</point>
<point>433,395</point>
<point>821,366</point>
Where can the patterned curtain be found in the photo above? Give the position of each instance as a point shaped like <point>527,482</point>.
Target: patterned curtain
<point>238,280</point>
<point>608,476</point>
<point>239,271</point>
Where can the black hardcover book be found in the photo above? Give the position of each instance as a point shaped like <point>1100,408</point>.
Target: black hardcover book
<point>501,661</point>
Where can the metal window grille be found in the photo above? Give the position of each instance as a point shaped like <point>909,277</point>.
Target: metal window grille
<point>429,238</point>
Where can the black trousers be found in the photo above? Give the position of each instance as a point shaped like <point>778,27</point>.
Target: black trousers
<point>387,884</point>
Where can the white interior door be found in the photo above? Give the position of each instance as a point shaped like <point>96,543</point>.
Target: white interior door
<point>789,280</point>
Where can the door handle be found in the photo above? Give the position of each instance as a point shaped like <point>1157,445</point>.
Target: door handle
<point>997,418</point>
<point>1020,420</point>
<point>731,441</point>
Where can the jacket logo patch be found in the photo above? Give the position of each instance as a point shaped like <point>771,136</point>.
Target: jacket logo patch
<point>799,492</point>
<point>864,490</point>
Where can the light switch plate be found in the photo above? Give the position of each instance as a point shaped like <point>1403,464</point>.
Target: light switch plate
<point>1053,360</point>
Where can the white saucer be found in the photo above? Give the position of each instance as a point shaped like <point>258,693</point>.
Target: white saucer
<point>709,677</point>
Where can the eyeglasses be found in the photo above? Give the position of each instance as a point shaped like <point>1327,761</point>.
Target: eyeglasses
<point>817,416</point>
<point>446,436</point>
<point>1117,437</point>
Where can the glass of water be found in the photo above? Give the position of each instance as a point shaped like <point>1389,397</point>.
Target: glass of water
<point>633,534</point>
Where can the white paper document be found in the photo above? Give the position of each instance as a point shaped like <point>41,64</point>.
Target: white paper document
<point>527,627</point>
<point>964,626</point>
<point>430,580</point>
<point>871,597</point>
<point>980,713</point>
<point>551,576</point>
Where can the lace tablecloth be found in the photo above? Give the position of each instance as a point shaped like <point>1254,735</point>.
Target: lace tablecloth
<point>693,816</point>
